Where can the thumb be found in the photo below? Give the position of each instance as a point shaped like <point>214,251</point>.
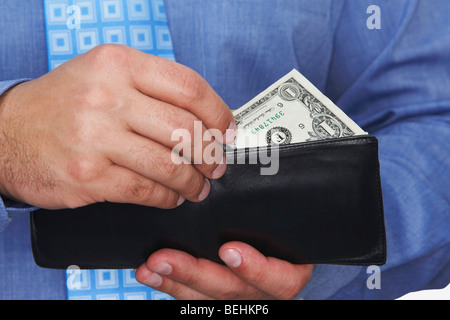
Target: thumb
<point>278,278</point>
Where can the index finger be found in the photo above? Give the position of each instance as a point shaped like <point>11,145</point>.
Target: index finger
<point>181,86</point>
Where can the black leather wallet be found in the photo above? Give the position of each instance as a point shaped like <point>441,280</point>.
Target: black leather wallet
<point>324,206</point>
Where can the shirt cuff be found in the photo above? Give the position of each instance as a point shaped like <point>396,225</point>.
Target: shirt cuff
<point>5,85</point>
<point>10,208</point>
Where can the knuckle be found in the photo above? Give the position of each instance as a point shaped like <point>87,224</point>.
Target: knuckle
<point>83,170</point>
<point>187,123</point>
<point>175,290</point>
<point>192,87</point>
<point>159,162</point>
<point>193,185</point>
<point>168,169</point>
<point>258,275</point>
<point>181,126</point>
<point>140,190</point>
<point>109,54</point>
<point>97,97</point>
<point>168,200</point>
<point>191,279</point>
<point>231,293</point>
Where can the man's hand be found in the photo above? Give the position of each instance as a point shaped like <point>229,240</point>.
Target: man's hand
<point>98,128</point>
<point>247,275</point>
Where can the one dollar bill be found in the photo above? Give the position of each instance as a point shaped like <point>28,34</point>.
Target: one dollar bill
<point>290,111</point>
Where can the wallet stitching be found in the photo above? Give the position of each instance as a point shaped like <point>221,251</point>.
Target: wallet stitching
<point>322,143</point>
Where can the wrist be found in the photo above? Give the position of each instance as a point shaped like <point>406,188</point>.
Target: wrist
<point>7,101</point>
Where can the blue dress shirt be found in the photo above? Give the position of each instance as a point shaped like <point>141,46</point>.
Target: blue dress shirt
<point>394,82</point>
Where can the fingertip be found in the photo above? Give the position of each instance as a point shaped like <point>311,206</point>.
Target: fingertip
<point>180,201</point>
<point>236,254</point>
<point>163,256</point>
<point>147,277</point>
<point>205,191</point>
<point>141,273</point>
<point>242,247</point>
<point>219,171</point>
<point>231,257</point>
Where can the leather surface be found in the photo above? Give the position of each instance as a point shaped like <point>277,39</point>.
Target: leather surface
<point>323,206</point>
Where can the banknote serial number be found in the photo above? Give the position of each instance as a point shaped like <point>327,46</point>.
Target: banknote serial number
<point>266,123</point>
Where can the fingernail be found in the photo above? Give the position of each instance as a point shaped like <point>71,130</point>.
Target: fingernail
<point>154,280</point>
<point>230,133</point>
<point>205,191</point>
<point>163,268</point>
<point>180,201</point>
<point>219,171</point>
<point>231,257</point>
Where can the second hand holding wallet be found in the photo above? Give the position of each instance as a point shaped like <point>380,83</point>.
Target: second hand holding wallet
<point>323,206</point>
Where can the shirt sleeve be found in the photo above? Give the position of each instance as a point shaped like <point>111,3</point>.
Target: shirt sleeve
<point>9,208</point>
<point>395,83</point>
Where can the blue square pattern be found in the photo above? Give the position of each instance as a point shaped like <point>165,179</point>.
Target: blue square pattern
<point>112,10</point>
<point>87,10</point>
<point>141,24</point>
<point>60,42</point>
<point>107,276</point>
<point>115,35</point>
<point>138,10</point>
<point>105,14</point>
<point>163,39</point>
<point>107,283</point>
<point>159,11</point>
<point>87,40</point>
<point>141,37</point>
<point>105,279</point>
<point>57,12</point>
